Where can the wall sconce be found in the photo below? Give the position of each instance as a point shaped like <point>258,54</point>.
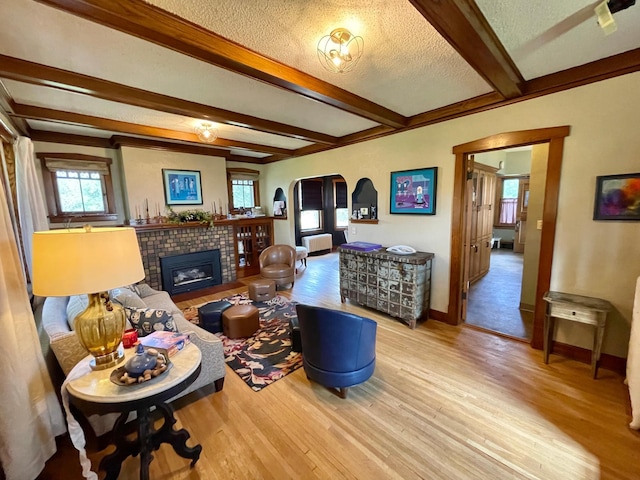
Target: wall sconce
<point>340,51</point>
<point>206,132</point>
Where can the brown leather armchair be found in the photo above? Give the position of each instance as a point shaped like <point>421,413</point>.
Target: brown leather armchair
<point>278,263</point>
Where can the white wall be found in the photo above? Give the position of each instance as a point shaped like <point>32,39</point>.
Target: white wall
<point>142,169</point>
<point>517,163</point>
<point>590,258</point>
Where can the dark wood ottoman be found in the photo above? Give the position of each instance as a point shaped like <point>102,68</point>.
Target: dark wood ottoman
<point>240,321</point>
<point>210,315</point>
<point>262,290</point>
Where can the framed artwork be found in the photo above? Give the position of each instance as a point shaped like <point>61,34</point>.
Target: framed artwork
<point>617,197</point>
<point>182,187</point>
<point>414,191</point>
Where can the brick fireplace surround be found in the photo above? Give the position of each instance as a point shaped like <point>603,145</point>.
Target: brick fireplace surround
<point>168,239</point>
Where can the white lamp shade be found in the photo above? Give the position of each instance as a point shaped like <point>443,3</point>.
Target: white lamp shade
<point>85,260</point>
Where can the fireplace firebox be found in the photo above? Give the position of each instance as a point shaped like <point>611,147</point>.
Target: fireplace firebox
<point>191,271</point>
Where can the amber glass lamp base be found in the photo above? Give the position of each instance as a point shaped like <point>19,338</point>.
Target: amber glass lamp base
<point>99,329</point>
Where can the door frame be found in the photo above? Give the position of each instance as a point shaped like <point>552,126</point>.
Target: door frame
<point>554,136</point>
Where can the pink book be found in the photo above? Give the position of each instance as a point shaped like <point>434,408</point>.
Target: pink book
<point>172,342</point>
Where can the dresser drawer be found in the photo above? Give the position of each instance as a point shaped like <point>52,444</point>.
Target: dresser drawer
<point>574,313</point>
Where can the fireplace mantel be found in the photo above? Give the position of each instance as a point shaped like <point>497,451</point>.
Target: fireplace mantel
<point>147,227</point>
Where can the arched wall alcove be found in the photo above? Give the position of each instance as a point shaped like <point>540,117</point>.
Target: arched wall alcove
<point>364,202</point>
<point>279,204</point>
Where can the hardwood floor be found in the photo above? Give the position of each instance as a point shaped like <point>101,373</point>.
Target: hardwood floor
<point>494,300</point>
<point>444,402</point>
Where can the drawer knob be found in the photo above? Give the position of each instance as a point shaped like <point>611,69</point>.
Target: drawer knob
<point>573,313</point>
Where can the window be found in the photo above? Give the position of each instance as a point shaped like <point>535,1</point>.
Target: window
<point>80,191</point>
<point>243,189</point>
<point>340,202</point>
<point>507,201</point>
<point>243,194</point>
<point>310,220</point>
<point>310,197</point>
<point>78,187</point>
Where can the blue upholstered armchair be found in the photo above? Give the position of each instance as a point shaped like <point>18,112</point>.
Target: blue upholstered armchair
<point>338,348</point>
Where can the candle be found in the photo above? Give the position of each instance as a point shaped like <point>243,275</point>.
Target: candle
<point>137,212</point>
<point>129,338</point>
<point>214,207</point>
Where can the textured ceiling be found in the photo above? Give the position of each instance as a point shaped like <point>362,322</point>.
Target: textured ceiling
<point>408,67</point>
<point>166,67</point>
<point>543,37</point>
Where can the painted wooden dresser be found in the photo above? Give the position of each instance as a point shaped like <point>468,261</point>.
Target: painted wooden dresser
<point>399,285</point>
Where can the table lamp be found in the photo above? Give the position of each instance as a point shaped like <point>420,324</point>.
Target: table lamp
<point>89,261</point>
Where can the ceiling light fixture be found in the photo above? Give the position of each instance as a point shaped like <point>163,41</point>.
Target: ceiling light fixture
<point>340,51</point>
<point>206,132</point>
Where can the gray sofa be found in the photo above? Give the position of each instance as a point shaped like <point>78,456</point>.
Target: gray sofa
<point>55,319</point>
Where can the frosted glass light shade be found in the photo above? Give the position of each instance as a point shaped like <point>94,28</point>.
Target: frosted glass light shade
<point>206,132</point>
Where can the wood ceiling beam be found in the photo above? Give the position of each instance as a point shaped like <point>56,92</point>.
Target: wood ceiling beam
<point>464,27</point>
<point>45,76</point>
<point>458,109</point>
<point>155,25</point>
<point>245,159</point>
<point>69,139</point>
<point>48,114</point>
<point>124,141</point>
<point>616,65</point>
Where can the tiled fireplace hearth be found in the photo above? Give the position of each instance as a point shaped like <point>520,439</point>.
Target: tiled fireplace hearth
<point>166,240</point>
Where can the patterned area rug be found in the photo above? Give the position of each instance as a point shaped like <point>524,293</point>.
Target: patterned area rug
<point>266,356</point>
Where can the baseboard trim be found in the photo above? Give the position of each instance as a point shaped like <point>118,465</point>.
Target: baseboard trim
<point>439,316</point>
<point>610,362</point>
<point>527,307</point>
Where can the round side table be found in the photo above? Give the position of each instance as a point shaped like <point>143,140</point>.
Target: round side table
<point>96,393</point>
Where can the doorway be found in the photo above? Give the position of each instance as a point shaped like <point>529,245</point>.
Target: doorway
<point>458,283</point>
<point>500,200</point>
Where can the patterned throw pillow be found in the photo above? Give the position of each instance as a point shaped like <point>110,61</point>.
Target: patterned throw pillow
<point>148,320</point>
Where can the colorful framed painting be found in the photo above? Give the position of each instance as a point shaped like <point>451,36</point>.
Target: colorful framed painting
<point>617,197</point>
<point>414,191</point>
<point>182,187</point>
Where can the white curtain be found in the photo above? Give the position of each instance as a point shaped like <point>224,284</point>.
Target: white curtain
<point>508,210</point>
<point>30,415</point>
<point>633,361</point>
<point>31,206</point>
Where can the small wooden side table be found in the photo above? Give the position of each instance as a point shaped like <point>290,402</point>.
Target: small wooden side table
<point>589,310</point>
<point>95,393</point>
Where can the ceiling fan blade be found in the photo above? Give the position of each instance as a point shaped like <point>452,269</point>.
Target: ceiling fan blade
<point>556,31</point>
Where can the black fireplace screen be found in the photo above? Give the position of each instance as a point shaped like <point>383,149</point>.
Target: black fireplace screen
<point>191,271</point>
